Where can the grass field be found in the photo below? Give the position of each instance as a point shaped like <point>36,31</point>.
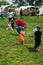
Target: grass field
<point>11,52</point>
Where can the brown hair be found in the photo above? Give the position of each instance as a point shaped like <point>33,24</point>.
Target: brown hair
<point>38,26</point>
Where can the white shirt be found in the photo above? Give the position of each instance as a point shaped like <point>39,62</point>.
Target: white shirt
<point>10,14</point>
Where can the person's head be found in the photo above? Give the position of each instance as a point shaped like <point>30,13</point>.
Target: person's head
<point>21,8</point>
<point>38,27</point>
<point>10,10</point>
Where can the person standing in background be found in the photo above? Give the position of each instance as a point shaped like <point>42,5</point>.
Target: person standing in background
<point>10,15</point>
<point>1,13</point>
<point>21,13</point>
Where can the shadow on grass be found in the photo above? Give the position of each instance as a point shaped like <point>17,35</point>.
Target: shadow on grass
<point>13,34</point>
<point>15,44</point>
<point>2,26</point>
<point>31,49</point>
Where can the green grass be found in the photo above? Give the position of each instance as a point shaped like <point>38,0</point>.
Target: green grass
<point>11,53</point>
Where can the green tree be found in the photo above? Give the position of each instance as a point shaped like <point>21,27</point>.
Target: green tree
<point>31,2</point>
<point>3,3</point>
<point>38,2</point>
<point>21,3</point>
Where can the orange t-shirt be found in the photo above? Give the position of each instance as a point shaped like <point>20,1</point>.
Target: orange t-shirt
<point>21,36</point>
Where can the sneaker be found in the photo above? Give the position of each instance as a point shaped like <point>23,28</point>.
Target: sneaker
<point>38,49</point>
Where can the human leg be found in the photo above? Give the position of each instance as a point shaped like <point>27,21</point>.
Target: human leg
<point>18,29</point>
<point>37,45</point>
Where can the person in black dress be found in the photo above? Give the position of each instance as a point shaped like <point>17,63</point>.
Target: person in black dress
<point>37,35</point>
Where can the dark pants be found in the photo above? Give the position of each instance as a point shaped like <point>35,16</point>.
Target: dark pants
<point>12,25</point>
<point>12,22</point>
<point>37,44</point>
<point>19,28</point>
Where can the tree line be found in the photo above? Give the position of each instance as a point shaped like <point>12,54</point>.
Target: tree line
<point>31,2</point>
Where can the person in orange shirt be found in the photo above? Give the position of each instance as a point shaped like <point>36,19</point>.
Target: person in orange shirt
<point>21,35</point>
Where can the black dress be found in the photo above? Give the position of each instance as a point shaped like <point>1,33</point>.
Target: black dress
<point>37,38</point>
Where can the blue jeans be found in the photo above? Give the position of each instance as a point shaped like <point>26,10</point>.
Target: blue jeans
<point>19,28</point>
